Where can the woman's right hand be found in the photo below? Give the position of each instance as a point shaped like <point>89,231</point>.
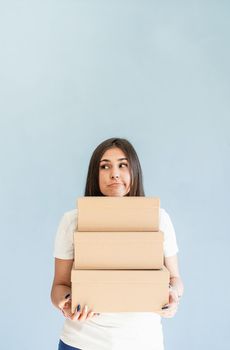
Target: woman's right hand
<point>81,315</point>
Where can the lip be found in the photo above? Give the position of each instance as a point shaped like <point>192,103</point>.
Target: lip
<point>116,184</point>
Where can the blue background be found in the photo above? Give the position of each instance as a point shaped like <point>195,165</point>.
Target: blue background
<point>73,73</point>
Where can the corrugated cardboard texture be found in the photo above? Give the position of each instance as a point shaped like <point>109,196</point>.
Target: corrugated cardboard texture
<point>118,214</point>
<point>120,290</point>
<point>118,250</point>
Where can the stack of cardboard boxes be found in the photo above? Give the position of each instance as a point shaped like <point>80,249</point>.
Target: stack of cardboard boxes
<point>118,265</point>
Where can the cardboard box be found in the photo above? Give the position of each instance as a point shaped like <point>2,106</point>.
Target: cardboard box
<point>120,290</point>
<point>118,214</point>
<point>118,250</point>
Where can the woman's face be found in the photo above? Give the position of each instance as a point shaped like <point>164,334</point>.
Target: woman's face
<point>114,173</point>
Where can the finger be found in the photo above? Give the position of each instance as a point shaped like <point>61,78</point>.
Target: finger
<point>64,304</point>
<point>66,310</point>
<point>165,315</point>
<point>90,314</point>
<point>168,308</point>
<point>171,308</point>
<point>76,313</point>
<point>67,305</point>
<point>172,304</point>
<point>173,297</point>
<point>67,313</point>
<point>168,313</point>
<point>84,313</point>
<point>78,308</point>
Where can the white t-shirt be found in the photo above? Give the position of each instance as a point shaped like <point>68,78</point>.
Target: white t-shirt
<point>113,331</point>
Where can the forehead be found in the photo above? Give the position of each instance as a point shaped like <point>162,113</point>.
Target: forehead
<point>113,153</point>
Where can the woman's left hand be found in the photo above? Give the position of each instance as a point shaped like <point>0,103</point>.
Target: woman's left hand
<point>169,310</point>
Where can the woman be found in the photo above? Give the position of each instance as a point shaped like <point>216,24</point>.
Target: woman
<point>114,170</point>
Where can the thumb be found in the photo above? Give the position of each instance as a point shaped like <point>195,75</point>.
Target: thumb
<point>64,303</point>
<point>173,297</point>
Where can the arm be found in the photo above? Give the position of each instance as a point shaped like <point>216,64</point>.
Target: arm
<point>175,281</point>
<point>177,287</point>
<point>62,287</point>
<point>61,283</point>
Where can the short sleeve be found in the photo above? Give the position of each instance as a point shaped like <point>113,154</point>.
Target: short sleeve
<point>64,240</point>
<point>170,242</point>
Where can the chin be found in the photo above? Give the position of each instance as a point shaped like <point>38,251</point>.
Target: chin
<point>115,194</point>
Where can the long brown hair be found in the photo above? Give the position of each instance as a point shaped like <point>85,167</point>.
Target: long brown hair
<point>92,182</point>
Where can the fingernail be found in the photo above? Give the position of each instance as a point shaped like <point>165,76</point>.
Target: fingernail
<point>164,307</point>
<point>86,308</point>
<point>78,307</point>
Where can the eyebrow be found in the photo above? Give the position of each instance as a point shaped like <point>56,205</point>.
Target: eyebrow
<point>107,160</point>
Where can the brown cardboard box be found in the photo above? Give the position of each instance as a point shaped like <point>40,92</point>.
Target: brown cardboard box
<point>118,214</point>
<point>120,290</point>
<point>118,250</point>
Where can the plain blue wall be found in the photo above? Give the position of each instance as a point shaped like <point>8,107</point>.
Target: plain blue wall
<point>73,73</point>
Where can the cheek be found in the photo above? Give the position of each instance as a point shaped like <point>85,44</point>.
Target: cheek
<point>127,178</point>
<point>101,182</point>
<point>102,177</point>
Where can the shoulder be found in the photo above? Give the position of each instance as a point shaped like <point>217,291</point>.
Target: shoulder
<point>165,221</point>
<point>64,241</point>
<point>70,215</point>
<point>163,215</point>
<point>167,227</point>
<point>69,218</point>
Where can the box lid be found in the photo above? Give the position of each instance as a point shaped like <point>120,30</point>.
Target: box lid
<point>117,237</point>
<point>118,213</point>
<point>120,276</point>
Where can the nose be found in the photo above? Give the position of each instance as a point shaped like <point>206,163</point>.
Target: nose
<point>114,174</point>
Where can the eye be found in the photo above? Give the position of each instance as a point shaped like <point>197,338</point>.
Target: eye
<point>104,166</point>
<point>123,165</point>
